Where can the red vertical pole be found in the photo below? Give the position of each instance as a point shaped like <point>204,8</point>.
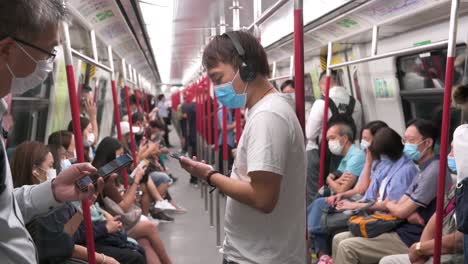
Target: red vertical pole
<point>203,112</point>
<point>209,113</point>
<point>117,126</point>
<point>238,125</point>
<point>147,105</point>
<point>225,139</point>
<point>215,124</point>
<point>137,99</point>
<point>130,122</point>
<point>195,91</point>
<point>323,143</point>
<point>445,130</point>
<point>299,62</point>
<point>75,111</point>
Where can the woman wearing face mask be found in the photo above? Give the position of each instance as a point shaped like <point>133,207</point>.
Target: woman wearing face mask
<point>460,148</point>
<point>66,139</point>
<point>56,234</point>
<point>41,164</point>
<point>108,149</point>
<point>61,162</point>
<point>88,137</point>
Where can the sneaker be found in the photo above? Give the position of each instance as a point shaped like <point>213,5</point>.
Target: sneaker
<point>174,179</point>
<point>162,217</point>
<point>180,210</point>
<point>194,185</point>
<point>164,205</point>
<point>153,220</point>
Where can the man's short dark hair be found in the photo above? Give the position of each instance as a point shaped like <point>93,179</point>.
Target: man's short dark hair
<point>386,142</point>
<point>333,76</point>
<point>29,19</point>
<point>426,128</point>
<point>160,97</point>
<point>221,49</point>
<point>286,84</point>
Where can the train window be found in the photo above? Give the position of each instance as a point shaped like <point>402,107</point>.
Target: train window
<point>80,39</point>
<point>95,83</point>
<point>421,78</point>
<point>427,70</point>
<point>30,113</point>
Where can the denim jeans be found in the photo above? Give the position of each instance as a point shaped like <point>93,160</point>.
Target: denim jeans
<point>465,247</point>
<point>316,231</point>
<point>313,169</point>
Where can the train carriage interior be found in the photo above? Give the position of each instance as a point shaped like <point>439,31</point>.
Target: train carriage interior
<point>130,93</point>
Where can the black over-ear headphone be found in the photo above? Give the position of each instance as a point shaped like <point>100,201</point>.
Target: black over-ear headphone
<point>246,71</point>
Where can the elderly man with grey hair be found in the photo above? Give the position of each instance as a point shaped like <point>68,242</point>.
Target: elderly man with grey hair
<point>28,43</point>
<point>340,138</point>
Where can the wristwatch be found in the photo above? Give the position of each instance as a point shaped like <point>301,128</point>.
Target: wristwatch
<point>418,249</point>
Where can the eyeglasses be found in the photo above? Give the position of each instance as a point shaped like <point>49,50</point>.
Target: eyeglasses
<point>51,55</point>
<point>403,141</point>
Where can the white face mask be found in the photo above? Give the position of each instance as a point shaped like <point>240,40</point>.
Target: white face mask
<point>364,144</point>
<point>65,164</point>
<point>335,147</point>
<point>91,138</point>
<point>51,174</point>
<point>20,85</point>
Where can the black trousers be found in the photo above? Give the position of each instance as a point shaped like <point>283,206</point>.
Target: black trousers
<point>167,120</point>
<point>229,262</point>
<point>122,255</point>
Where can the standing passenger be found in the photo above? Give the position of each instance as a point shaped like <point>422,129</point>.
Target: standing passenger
<point>341,98</point>
<point>265,210</point>
<point>460,148</point>
<point>28,44</point>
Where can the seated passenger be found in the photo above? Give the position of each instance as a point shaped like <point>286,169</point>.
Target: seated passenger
<point>107,150</point>
<point>67,140</point>
<point>391,179</point>
<point>391,176</point>
<point>57,235</point>
<point>422,251</point>
<point>88,137</point>
<point>416,206</point>
<point>340,138</point>
<point>367,135</point>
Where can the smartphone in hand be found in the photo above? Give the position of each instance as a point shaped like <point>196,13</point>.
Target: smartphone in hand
<point>176,156</point>
<point>104,172</point>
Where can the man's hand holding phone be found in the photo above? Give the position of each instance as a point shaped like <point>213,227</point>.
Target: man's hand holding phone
<point>64,186</point>
<point>195,167</point>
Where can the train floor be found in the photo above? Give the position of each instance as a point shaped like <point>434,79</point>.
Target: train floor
<point>190,239</point>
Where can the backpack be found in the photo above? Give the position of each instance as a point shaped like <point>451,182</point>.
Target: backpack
<point>343,114</point>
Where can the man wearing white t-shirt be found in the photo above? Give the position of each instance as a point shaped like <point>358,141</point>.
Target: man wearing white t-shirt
<point>265,210</point>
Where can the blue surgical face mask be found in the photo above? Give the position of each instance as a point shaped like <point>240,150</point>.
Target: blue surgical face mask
<point>65,164</point>
<point>451,164</point>
<point>411,151</point>
<point>228,97</point>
